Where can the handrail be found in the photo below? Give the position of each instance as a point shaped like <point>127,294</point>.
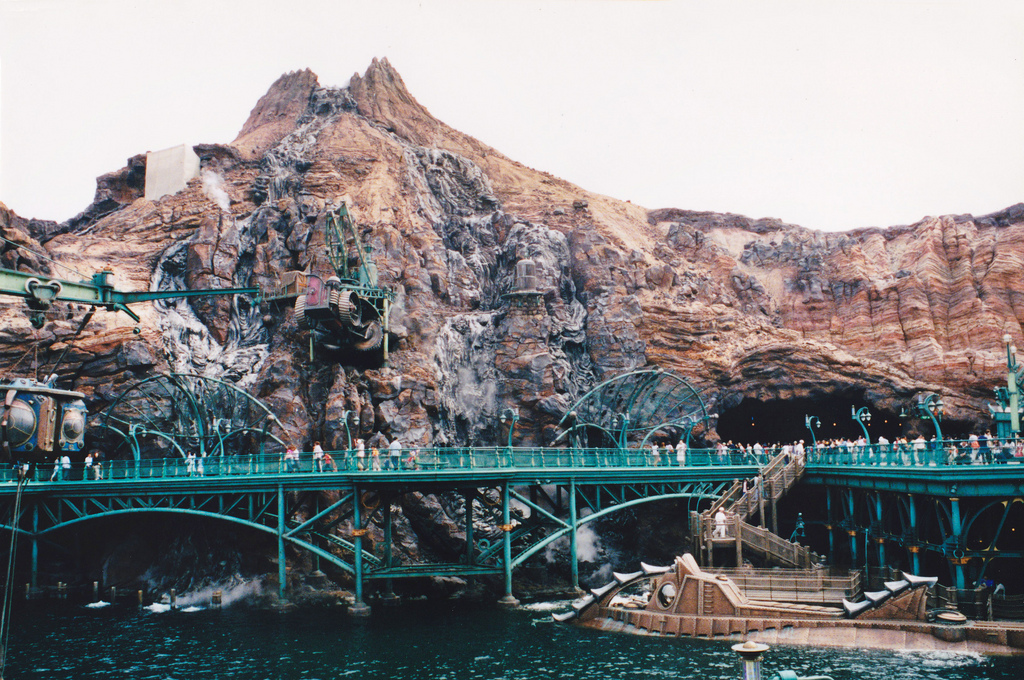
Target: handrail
<point>777,475</point>
<point>348,461</point>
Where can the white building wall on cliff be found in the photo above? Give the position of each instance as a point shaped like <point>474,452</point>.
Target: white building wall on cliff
<point>168,171</point>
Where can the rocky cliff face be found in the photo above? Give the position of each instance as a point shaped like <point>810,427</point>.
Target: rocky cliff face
<point>746,309</point>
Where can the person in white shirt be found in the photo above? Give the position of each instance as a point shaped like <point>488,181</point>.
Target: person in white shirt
<point>720,522</point>
<point>318,457</point>
<point>394,454</point>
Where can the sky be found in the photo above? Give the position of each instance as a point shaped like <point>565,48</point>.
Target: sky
<point>830,114</point>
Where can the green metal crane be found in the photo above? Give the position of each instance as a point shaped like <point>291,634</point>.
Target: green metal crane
<point>40,292</point>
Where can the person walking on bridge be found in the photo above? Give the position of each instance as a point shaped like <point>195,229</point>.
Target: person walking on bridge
<point>394,454</point>
<point>681,452</point>
<point>318,457</point>
<point>291,459</point>
<point>360,455</point>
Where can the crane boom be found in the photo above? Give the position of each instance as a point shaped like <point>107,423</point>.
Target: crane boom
<point>40,292</point>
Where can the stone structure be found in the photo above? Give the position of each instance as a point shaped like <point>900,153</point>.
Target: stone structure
<point>168,171</point>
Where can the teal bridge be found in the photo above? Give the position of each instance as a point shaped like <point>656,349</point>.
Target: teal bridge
<point>881,508</point>
<point>533,496</point>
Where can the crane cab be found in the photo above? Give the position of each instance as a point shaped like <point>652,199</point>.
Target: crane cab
<point>38,420</point>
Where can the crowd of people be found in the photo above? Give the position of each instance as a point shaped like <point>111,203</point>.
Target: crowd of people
<point>975,450</point>
<point>382,455</point>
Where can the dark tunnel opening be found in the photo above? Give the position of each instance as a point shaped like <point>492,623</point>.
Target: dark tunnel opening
<point>782,421</point>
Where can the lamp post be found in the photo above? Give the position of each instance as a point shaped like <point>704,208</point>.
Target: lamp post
<point>509,416</point>
<point>1012,393</point>
<point>811,422</point>
<point>623,424</point>
<point>750,653</point>
<point>930,406</point>
<point>862,415</point>
<point>355,422</point>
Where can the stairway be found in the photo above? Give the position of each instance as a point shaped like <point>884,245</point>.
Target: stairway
<point>739,504</point>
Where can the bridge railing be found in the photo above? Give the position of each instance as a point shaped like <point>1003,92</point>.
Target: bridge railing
<point>920,453</point>
<point>407,460</point>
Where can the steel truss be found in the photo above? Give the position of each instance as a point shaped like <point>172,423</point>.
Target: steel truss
<point>962,535</point>
<point>354,531</point>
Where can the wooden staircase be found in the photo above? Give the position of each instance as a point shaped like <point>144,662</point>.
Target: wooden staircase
<point>746,500</point>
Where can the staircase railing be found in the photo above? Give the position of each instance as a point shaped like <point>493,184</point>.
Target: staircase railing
<point>741,501</point>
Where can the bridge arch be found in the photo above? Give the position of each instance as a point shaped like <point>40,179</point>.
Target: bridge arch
<point>297,542</point>
<point>701,493</point>
<point>629,408</point>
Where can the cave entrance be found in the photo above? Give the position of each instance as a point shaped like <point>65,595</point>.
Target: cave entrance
<point>782,420</point>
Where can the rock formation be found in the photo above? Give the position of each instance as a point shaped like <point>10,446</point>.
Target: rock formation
<point>746,309</point>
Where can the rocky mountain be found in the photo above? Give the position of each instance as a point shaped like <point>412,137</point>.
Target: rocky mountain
<point>750,311</point>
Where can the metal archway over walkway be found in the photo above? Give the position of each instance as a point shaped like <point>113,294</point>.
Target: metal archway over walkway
<point>630,408</point>
<point>172,414</point>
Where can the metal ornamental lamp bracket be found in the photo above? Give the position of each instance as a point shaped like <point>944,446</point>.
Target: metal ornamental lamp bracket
<point>811,422</point>
<point>355,422</point>
<point>509,416</point>
<point>930,406</point>
<point>862,415</point>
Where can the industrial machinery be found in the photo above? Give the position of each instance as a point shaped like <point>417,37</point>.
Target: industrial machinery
<point>349,309</point>
<point>345,311</point>
<point>39,420</point>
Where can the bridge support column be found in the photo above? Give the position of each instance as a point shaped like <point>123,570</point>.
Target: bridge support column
<point>880,539</point>
<point>831,522</point>
<point>282,575</point>
<point>469,496</point>
<point>915,559</point>
<point>35,546</point>
<point>508,600</point>
<point>389,585</point>
<point>358,607</point>
<point>957,528</point>
<point>316,557</point>
<point>573,520</point>
<point>851,515</point>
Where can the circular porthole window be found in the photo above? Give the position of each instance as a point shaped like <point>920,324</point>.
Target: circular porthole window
<point>666,595</point>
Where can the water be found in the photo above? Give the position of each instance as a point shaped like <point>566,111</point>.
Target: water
<point>61,640</point>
